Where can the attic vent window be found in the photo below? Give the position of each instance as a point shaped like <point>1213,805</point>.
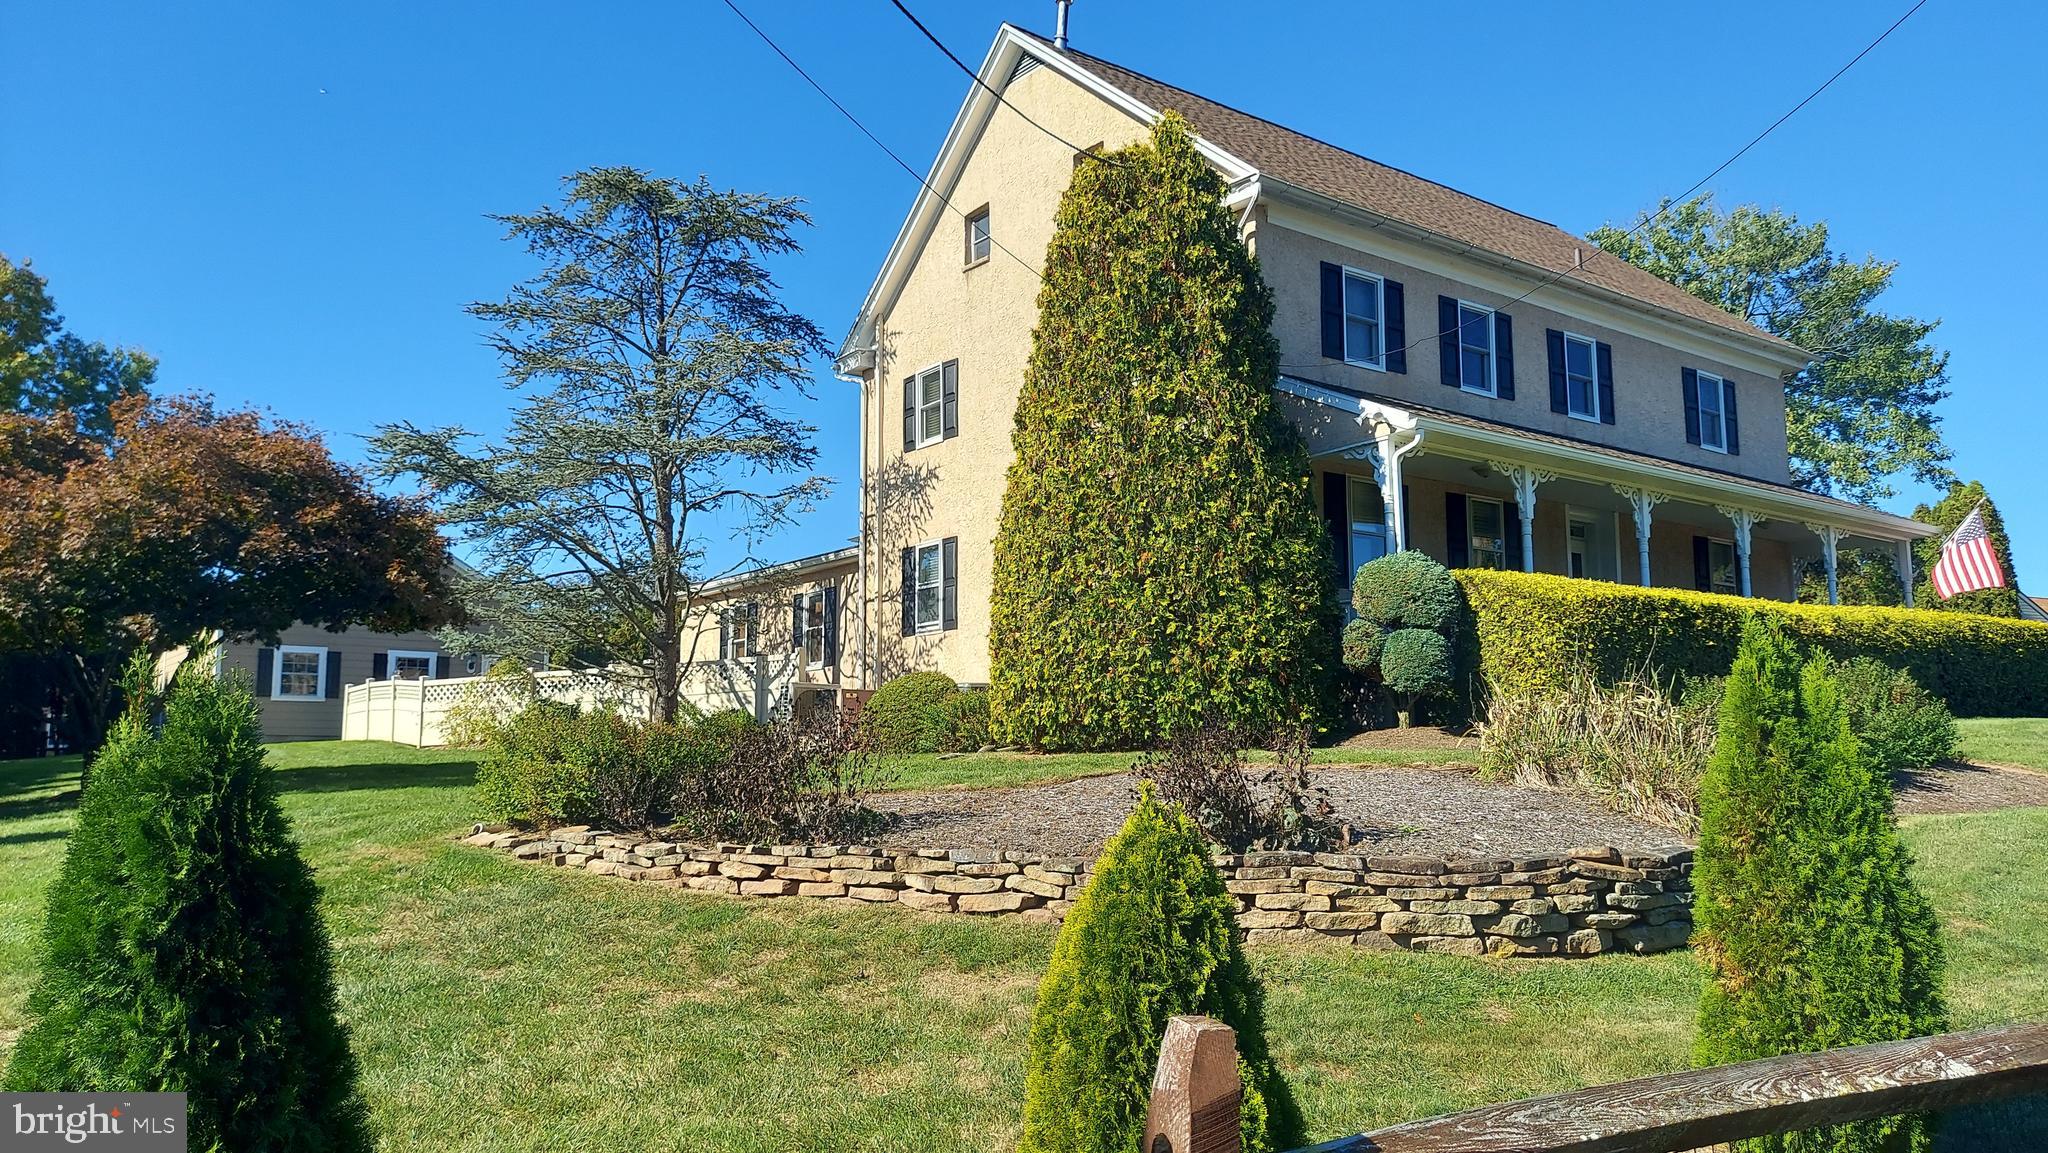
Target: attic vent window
<point>977,235</point>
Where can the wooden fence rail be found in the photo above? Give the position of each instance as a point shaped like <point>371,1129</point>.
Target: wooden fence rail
<point>1678,1111</point>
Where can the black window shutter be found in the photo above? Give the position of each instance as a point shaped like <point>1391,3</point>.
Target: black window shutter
<point>1690,379</point>
<point>1503,356</point>
<point>1333,311</point>
<point>753,628</point>
<point>831,624</point>
<point>949,406</point>
<point>333,666</point>
<point>724,632</point>
<point>266,666</point>
<point>380,666</point>
<point>1511,533</point>
<point>1457,538</point>
<point>1731,435</point>
<point>1336,515</point>
<point>1447,341</point>
<point>1702,567</point>
<point>909,413</point>
<point>949,583</point>
<point>1604,355</point>
<point>1395,301</point>
<point>796,621</point>
<point>1553,343</point>
<point>909,591</point>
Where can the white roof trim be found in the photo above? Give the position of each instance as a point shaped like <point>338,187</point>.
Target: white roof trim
<point>1598,467</point>
<point>781,570</point>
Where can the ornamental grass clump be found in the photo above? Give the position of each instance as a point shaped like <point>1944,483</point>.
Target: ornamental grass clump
<point>182,949</point>
<point>1812,931</point>
<point>1151,936</point>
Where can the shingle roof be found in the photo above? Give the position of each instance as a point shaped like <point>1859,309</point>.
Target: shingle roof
<point>1356,180</point>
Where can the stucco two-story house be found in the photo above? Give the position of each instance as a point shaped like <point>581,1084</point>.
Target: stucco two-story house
<point>1471,382</point>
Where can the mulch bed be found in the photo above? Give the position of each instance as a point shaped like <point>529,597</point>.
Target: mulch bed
<point>1964,787</point>
<point>1460,746</point>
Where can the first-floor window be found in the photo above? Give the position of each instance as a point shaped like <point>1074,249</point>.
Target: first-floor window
<point>1582,394</point>
<point>1721,574</point>
<point>930,586</point>
<point>814,628</point>
<point>300,672</point>
<point>1488,524</point>
<point>1368,522</point>
<point>412,666</point>
<point>1713,410</point>
<point>739,624</point>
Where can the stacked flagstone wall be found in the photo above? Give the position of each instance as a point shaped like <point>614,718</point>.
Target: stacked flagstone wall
<point>1591,900</point>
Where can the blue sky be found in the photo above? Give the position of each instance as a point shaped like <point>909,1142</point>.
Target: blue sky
<point>285,202</point>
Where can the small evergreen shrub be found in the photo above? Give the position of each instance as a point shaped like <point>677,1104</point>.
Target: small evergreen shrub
<point>902,713</point>
<point>183,949</point>
<point>1415,663</point>
<point>1406,590</point>
<point>1812,931</point>
<point>525,774</point>
<point>960,723</point>
<point>1150,937</point>
<point>1903,727</point>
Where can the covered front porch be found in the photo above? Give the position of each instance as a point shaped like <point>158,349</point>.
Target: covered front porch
<point>1477,494</point>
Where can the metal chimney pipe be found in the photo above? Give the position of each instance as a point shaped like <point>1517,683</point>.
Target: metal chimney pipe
<point>1059,26</point>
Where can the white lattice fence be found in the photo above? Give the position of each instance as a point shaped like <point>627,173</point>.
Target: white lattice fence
<point>415,712</point>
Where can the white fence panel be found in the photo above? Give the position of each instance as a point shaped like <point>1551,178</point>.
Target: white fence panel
<point>415,712</point>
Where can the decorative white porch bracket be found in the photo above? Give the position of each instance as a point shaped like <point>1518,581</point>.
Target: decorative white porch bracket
<point>1830,543</point>
<point>1744,521</point>
<point>1640,502</point>
<point>1525,479</point>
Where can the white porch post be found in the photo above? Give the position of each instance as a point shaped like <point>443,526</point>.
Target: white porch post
<point>1387,469</point>
<point>1525,479</point>
<point>1744,521</point>
<point>1830,542</point>
<point>1640,502</point>
<point>1905,554</point>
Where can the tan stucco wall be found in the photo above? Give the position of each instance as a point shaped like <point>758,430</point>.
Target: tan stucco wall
<point>291,720</point>
<point>982,316</point>
<point>1648,402</point>
<point>774,634</point>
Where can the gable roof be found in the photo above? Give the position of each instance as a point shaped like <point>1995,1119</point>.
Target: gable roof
<point>1249,146</point>
<point>1282,153</point>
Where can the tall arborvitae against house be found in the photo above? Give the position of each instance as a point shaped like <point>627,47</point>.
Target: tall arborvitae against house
<point>1813,933</point>
<point>1160,561</point>
<point>183,949</point>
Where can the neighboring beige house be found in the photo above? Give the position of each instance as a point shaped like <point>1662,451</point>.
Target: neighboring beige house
<point>774,637</point>
<point>1605,425</point>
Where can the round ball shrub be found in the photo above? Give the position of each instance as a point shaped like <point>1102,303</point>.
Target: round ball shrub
<point>1415,663</point>
<point>1406,590</point>
<point>960,723</point>
<point>900,714</point>
<point>1363,642</point>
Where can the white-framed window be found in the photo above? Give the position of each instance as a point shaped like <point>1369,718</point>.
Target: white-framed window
<point>1475,348</point>
<point>977,236</point>
<point>930,386</point>
<point>930,596</point>
<point>1487,524</point>
<point>1721,572</point>
<point>299,673</point>
<point>412,665</point>
<point>1713,413</point>
<point>739,627</point>
<point>1581,377</point>
<point>1368,513</point>
<point>1365,319</point>
<point>814,629</point>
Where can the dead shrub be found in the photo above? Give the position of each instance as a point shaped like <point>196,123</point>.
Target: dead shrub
<point>801,778</point>
<point>1239,807</point>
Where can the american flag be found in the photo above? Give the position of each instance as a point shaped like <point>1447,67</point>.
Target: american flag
<point>1967,561</point>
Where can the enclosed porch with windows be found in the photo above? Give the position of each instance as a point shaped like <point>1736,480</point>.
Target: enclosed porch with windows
<point>1475,494</point>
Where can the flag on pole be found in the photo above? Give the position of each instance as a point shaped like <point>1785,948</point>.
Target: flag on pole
<point>1968,562</point>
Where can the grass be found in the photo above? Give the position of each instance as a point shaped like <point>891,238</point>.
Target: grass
<point>992,770</point>
<point>2019,741</point>
<point>501,1006</point>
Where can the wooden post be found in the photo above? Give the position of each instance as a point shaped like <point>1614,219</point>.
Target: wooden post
<point>1195,1090</point>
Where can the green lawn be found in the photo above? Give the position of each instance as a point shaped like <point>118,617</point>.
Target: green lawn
<point>501,1006</point>
<point>2006,741</point>
<point>988,770</point>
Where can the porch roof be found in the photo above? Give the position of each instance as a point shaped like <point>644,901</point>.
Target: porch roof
<point>1456,432</point>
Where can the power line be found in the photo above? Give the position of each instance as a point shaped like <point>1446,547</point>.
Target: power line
<point>1673,202</point>
<point>1000,98</point>
<point>855,121</point>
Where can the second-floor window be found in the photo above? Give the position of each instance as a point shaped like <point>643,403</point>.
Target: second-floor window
<point>931,405</point>
<point>1713,412</point>
<point>1581,386</point>
<point>977,235</point>
<point>1475,348</point>
<point>1364,319</point>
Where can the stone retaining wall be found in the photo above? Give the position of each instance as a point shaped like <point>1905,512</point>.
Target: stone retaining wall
<point>1591,900</point>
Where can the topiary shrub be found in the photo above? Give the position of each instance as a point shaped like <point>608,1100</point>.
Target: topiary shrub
<point>183,949</point>
<point>1813,933</point>
<point>1160,562</point>
<point>1151,936</point>
<point>1406,590</point>
<point>1415,663</point>
<point>901,713</point>
<point>960,723</point>
<point>1363,643</point>
<point>1902,726</point>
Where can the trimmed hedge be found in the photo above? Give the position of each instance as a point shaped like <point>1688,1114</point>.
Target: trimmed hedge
<point>1530,630</point>
<point>903,712</point>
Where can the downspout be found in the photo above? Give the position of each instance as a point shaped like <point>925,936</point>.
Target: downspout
<point>864,572</point>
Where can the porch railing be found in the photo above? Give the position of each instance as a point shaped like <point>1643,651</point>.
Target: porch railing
<point>1194,1102</point>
